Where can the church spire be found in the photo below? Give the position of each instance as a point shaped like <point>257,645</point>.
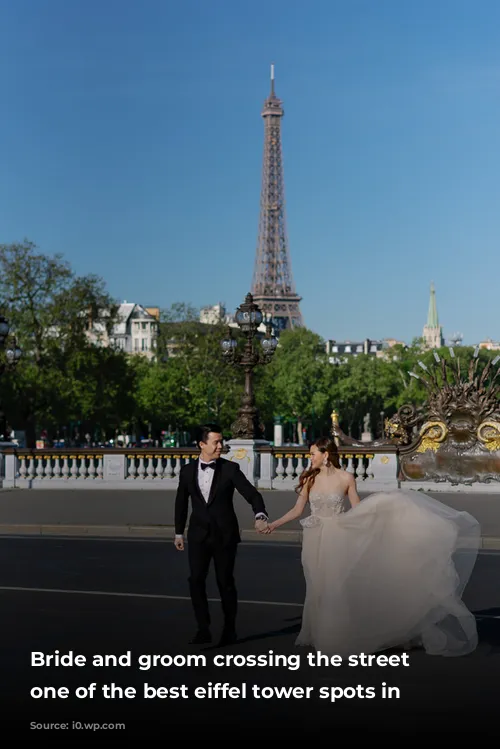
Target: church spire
<point>433,334</point>
<point>432,316</point>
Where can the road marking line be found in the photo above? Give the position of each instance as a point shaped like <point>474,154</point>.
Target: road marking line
<point>487,616</point>
<point>160,596</point>
<point>137,595</point>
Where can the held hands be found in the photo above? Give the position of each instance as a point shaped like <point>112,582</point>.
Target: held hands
<point>262,526</point>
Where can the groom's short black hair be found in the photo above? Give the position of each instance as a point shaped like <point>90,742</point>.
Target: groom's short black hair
<point>204,430</point>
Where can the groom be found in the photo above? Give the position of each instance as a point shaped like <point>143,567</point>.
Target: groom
<point>213,531</point>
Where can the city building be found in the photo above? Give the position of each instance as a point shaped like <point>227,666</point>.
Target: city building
<point>490,345</point>
<point>135,331</point>
<point>218,315</point>
<point>214,315</point>
<point>338,352</point>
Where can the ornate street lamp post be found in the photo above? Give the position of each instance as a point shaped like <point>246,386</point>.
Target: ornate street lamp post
<point>10,353</point>
<point>249,317</point>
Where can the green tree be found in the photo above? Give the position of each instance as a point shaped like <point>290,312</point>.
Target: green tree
<point>190,381</point>
<point>365,385</point>
<point>298,378</point>
<point>50,310</point>
<point>100,388</point>
<point>162,393</point>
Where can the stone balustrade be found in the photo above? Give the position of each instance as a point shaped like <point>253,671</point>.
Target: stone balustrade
<point>280,468</point>
<point>267,467</point>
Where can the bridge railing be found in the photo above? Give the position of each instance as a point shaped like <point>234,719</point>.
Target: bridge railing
<point>281,467</point>
<point>266,466</point>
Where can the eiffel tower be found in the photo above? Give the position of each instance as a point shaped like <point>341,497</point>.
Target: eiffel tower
<point>273,287</point>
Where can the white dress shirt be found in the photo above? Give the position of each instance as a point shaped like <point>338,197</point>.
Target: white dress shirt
<point>205,479</point>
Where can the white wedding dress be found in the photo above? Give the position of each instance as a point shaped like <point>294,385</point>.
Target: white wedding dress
<point>385,572</point>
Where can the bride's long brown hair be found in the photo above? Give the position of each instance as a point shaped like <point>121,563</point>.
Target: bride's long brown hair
<point>325,445</point>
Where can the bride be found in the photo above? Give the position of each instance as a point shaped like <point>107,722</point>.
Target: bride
<point>381,573</point>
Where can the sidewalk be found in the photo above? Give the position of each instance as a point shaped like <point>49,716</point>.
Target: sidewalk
<point>142,514</point>
<point>152,532</point>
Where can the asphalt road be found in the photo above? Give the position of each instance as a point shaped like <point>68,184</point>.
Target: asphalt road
<point>119,596</point>
<point>156,508</point>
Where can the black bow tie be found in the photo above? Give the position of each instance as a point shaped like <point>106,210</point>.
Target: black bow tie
<point>207,465</point>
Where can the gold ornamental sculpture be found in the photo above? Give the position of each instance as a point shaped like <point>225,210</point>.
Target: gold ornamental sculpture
<point>455,435</point>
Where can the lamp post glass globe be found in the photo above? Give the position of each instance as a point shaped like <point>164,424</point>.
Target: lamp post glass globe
<point>269,343</point>
<point>228,344</point>
<point>248,316</point>
<point>12,351</point>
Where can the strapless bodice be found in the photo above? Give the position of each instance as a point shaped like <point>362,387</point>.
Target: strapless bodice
<point>324,505</point>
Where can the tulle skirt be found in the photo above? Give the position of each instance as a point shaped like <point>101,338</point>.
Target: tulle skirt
<point>390,570</point>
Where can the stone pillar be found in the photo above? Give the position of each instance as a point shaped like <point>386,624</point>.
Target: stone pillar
<point>385,473</point>
<point>114,467</point>
<point>264,478</point>
<point>8,475</point>
<point>243,452</point>
<point>278,435</point>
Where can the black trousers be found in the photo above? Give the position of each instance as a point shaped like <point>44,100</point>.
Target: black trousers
<point>200,555</point>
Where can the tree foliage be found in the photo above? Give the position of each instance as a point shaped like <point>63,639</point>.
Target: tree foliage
<point>64,379</point>
<point>298,378</point>
<point>189,382</point>
<point>49,309</point>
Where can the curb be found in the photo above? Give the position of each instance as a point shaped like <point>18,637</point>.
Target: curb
<point>491,543</point>
<point>134,531</point>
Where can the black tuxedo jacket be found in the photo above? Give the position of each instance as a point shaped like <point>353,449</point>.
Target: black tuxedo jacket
<point>215,519</point>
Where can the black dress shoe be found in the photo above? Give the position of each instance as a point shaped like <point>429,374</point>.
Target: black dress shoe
<point>228,637</point>
<point>201,638</point>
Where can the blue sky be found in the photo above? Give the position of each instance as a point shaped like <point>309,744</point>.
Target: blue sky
<point>131,142</point>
